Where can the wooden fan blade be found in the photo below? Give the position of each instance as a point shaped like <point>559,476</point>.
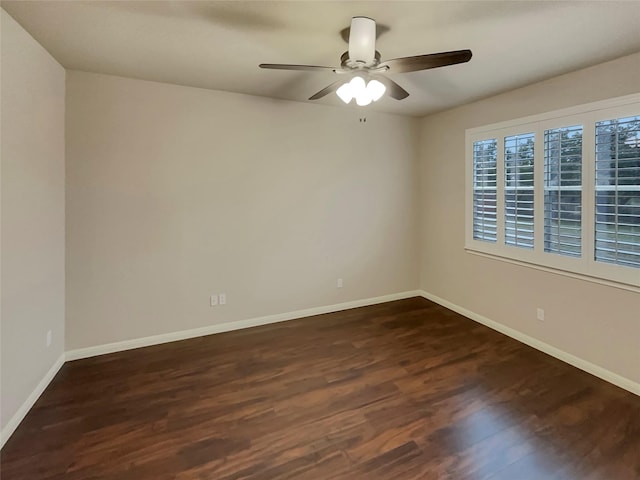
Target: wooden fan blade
<point>282,66</point>
<point>326,90</point>
<point>425,62</point>
<point>393,89</point>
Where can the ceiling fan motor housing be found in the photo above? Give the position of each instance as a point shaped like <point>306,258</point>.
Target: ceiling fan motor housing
<point>362,40</point>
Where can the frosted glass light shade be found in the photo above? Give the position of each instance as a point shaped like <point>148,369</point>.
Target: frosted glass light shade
<point>357,84</point>
<point>363,98</point>
<point>345,93</point>
<point>376,89</point>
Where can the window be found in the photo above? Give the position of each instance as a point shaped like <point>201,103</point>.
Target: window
<point>560,191</point>
<point>618,191</point>
<point>563,191</point>
<point>518,190</point>
<point>484,190</point>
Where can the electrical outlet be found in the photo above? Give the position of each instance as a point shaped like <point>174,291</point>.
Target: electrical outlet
<point>214,300</point>
<point>223,298</point>
<point>339,283</point>
<point>49,338</point>
<point>540,314</point>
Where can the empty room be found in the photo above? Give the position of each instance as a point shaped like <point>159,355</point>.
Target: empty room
<point>377,240</point>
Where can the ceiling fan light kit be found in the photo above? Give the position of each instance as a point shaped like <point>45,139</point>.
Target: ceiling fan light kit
<point>362,61</point>
<point>364,93</point>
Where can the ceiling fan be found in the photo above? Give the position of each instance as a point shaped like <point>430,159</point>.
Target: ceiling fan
<point>364,69</point>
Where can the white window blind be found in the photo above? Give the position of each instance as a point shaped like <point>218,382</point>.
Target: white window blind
<point>617,196</point>
<point>563,191</point>
<point>484,190</point>
<point>518,190</point>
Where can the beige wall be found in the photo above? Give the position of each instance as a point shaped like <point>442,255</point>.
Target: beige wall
<point>176,193</point>
<point>600,324</point>
<point>32,184</point>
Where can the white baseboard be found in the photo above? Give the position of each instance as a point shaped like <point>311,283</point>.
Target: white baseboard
<point>577,362</point>
<point>13,423</point>
<point>229,326</point>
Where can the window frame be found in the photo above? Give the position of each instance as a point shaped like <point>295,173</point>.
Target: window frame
<point>585,266</point>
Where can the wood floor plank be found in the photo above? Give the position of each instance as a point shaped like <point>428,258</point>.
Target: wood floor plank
<point>402,390</point>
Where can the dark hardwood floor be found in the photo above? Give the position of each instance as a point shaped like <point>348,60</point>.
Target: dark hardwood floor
<point>402,390</point>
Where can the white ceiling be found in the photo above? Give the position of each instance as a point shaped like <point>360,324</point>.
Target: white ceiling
<point>218,45</point>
